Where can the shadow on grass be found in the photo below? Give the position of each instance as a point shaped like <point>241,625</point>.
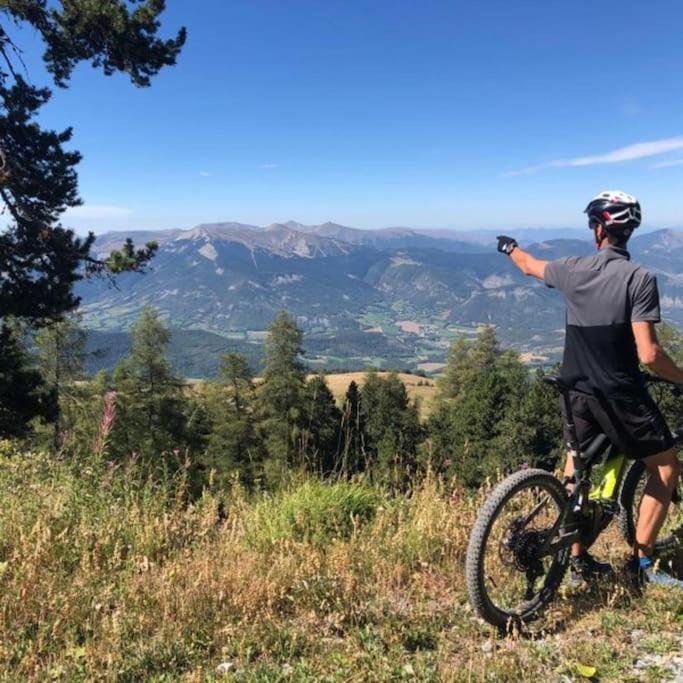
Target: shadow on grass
<point>571,604</point>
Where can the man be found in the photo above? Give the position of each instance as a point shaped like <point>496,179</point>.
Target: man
<point>612,308</point>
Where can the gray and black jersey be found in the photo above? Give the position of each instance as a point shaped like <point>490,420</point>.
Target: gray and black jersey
<point>604,293</point>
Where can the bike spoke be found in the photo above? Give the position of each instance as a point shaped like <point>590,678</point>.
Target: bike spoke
<point>515,570</point>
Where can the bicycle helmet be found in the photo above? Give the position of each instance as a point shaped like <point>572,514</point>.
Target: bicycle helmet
<point>619,213</point>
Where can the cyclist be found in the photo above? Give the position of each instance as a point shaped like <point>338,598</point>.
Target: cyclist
<point>612,308</point>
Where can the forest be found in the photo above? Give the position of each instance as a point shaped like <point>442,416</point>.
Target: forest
<point>491,413</point>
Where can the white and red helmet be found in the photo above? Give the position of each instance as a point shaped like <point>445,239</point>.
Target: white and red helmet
<point>619,213</point>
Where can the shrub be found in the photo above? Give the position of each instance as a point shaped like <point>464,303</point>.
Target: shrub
<point>315,512</point>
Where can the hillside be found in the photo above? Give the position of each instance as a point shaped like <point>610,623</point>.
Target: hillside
<point>106,579</point>
<point>383,298</point>
<point>191,353</point>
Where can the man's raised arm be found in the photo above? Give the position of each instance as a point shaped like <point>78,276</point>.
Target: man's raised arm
<point>527,263</point>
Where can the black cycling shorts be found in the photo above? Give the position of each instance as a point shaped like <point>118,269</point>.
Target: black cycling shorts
<point>634,425</point>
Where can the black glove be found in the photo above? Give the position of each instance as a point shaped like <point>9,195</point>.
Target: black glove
<point>506,245</point>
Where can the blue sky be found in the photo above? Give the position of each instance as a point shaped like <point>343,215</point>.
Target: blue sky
<point>372,113</point>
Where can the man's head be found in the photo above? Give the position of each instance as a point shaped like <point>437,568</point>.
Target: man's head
<point>613,216</point>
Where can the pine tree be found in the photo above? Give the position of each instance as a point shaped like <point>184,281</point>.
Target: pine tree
<point>531,431</point>
<point>392,427</point>
<point>457,362</point>
<point>235,373</point>
<point>321,437</point>
<point>61,356</point>
<point>233,443</point>
<point>483,384</point>
<point>150,418</point>
<point>23,394</point>
<point>281,396</point>
<point>40,259</point>
<point>352,457</point>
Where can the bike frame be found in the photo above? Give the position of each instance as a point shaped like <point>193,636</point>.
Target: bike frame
<point>570,523</point>
<point>608,487</point>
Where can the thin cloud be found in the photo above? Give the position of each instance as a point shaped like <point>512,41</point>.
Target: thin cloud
<point>204,174</point>
<point>98,211</point>
<point>269,165</point>
<point>639,150</point>
<point>667,164</point>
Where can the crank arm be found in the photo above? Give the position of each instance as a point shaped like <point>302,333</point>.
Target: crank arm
<point>561,543</point>
<point>556,540</point>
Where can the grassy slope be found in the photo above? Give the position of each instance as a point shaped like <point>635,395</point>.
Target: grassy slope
<point>103,580</point>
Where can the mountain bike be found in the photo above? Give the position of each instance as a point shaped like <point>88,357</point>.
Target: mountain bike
<point>519,547</point>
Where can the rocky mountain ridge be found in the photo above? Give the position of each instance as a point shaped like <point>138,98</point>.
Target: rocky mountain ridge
<point>356,295</point>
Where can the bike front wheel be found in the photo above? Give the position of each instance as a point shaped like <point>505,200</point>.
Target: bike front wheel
<point>508,580</point>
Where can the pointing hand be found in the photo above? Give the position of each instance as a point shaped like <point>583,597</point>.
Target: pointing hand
<point>506,245</point>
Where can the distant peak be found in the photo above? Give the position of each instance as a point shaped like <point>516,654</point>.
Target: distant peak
<point>294,225</point>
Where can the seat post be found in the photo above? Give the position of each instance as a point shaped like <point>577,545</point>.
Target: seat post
<point>564,385</point>
<point>573,441</point>
<point>580,491</point>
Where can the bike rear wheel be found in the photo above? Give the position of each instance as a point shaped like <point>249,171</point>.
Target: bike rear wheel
<point>670,536</point>
<point>506,580</point>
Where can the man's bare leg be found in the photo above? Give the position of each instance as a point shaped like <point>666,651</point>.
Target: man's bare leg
<point>663,470</point>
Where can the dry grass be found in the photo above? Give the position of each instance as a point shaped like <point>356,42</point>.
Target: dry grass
<point>421,388</point>
<point>105,579</point>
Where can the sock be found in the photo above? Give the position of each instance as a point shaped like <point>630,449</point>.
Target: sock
<point>645,562</point>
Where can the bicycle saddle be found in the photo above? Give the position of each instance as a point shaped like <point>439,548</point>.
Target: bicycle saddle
<point>566,383</point>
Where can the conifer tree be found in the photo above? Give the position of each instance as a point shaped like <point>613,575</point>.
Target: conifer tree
<point>457,362</point>
<point>352,457</point>
<point>531,431</point>
<point>671,406</point>
<point>321,438</point>
<point>233,444</point>
<point>150,418</point>
<point>482,386</point>
<point>23,394</point>
<point>40,259</point>
<point>281,395</point>
<point>61,355</point>
<point>392,427</point>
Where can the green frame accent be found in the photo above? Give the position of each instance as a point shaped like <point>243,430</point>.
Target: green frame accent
<point>608,487</point>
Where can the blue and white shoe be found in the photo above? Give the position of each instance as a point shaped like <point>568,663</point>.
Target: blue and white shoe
<point>658,577</point>
<point>651,572</point>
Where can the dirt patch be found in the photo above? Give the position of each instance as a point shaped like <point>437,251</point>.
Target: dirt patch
<point>409,326</point>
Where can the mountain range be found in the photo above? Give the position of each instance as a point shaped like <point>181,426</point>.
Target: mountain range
<point>390,297</point>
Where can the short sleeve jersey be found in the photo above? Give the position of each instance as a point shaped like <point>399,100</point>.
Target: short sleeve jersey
<point>604,294</point>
